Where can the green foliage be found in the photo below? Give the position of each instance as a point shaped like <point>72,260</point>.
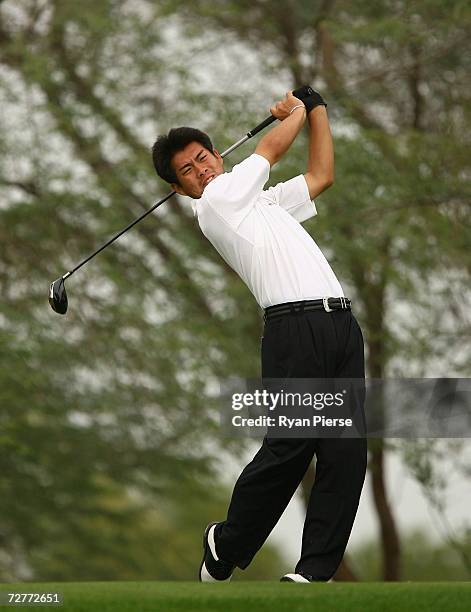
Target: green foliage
<point>136,537</point>
<point>113,397</point>
<point>421,560</point>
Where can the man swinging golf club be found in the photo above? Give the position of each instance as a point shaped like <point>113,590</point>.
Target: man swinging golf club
<point>309,332</point>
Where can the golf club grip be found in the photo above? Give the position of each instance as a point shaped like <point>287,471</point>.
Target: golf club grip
<point>261,126</point>
<point>302,93</point>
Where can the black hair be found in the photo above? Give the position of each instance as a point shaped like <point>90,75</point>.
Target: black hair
<point>165,147</point>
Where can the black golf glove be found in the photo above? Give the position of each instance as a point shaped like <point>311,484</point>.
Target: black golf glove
<point>309,96</point>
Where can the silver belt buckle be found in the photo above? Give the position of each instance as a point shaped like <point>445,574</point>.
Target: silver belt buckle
<point>326,304</point>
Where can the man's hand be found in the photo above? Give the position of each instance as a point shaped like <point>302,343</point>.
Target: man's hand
<point>278,140</point>
<point>315,99</point>
<point>283,108</point>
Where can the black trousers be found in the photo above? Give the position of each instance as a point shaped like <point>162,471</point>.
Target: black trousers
<point>315,344</point>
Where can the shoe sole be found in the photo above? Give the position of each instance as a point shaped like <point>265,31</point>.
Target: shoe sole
<point>205,547</point>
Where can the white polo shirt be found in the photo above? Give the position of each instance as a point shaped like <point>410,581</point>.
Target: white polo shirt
<point>259,234</point>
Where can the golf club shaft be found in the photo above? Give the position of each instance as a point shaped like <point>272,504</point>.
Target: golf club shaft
<point>257,129</point>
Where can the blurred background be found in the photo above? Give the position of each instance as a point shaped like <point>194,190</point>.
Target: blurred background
<point>112,461</point>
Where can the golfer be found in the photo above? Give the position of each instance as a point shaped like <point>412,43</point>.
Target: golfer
<point>309,331</point>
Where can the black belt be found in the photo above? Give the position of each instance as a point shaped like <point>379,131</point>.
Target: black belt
<point>328,304</point>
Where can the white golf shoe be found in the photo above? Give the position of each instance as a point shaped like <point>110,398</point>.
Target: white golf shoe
<point>296,578</point>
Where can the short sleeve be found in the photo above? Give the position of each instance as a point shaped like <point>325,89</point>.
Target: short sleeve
<point>233,194</point>
<point>293,196</point>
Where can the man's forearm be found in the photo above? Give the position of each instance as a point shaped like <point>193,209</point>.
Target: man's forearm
<point>279,139</point>
<point>321,149</point>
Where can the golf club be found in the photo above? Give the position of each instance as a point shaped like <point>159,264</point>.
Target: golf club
<point>57,293</point>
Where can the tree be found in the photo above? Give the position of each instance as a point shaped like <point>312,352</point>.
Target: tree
<point>114,395</point>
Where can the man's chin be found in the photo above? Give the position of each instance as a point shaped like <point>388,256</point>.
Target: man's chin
<point>193,196</point>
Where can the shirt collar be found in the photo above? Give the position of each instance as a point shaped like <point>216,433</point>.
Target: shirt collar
<point>194,206</point>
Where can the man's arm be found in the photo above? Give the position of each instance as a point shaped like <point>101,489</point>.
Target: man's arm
<point>320,169</point>
<point>279,139</point>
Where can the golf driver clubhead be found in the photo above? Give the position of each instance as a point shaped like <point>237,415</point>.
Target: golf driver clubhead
<point>58,296</point>
<point>57,293</point>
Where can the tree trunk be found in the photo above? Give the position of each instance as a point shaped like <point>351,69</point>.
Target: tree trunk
<point>374,305</point>
<point>389,535</point>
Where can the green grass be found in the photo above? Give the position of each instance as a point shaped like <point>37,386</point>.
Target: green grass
<point>254,596</point>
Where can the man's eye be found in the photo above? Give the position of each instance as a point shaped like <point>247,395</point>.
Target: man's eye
<point>204,157</point>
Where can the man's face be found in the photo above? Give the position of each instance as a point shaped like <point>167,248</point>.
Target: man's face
<point>195,167</point>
